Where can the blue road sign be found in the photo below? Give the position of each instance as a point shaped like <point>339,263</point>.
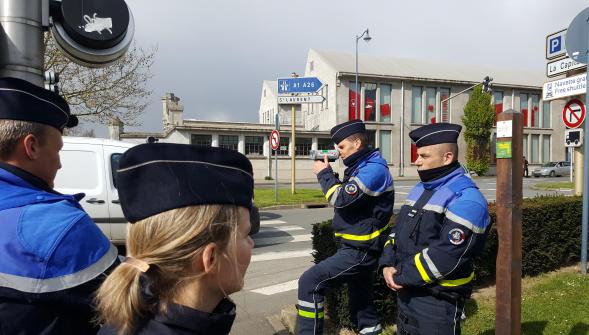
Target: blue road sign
<point>555,44</point>
<point>299,85</point>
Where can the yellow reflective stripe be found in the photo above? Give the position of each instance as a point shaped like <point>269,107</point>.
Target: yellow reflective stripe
<point>392,242</point>
<point>457,282</point>
<point>421,269</point>
<point>362,237</point>
<point>310,315</point>
<point>331,190</point>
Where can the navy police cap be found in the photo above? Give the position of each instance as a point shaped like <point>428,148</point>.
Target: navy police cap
<point>155,177</point>
<point>24,101</point>
<point>435,133</point>
<point>344,130</point>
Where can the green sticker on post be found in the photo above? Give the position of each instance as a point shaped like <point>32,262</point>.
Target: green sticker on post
<point>503,149</point>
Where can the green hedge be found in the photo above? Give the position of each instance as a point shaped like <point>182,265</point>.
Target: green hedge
<point>551,238</point>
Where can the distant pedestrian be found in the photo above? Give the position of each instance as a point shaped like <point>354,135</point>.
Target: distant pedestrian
<point>525,167</point>
<point>363,203</point>
<point>188,245</point>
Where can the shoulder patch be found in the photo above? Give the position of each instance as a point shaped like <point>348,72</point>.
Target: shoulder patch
<point>351,189</point>
<point>456,236</point>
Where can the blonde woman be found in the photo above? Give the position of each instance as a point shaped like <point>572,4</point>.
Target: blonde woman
<point>187,247</point>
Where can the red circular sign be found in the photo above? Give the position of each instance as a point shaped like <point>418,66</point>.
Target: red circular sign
<point>573,113</point>
<point>275,140</point>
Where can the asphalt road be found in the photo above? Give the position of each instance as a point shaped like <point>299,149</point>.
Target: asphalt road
<point>283,249</point>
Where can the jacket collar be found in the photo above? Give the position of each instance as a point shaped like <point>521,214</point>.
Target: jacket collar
<point>437,183</point>
<point>217,322</point>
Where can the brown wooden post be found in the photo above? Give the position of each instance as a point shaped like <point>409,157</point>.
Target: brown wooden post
<point>509,222</point>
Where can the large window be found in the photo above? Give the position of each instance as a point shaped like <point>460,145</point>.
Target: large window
<point>546,114</point>
<point>535,157</point>
<point>430,108</point>
<point>385,144</point>
<point>385,103</point>
<point>228,141</point>
<point>325,144</point>
<point>523,107</point>
<point>416,104</point>
<point>535,121</point>
<point>445,94</point>
<point>254,145</point>
<point>546,148</point>
<point>202,140</point>
<point>498,101</point>
<point>525,146</point>
<point>370,102</point>
<point>303,146</point>
<point>283,149</point>
<point>353,98</point>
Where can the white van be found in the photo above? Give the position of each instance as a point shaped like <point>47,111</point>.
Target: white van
<point>89,165</point>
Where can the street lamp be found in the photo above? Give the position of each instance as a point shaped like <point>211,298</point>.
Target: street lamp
<point>366,38</point>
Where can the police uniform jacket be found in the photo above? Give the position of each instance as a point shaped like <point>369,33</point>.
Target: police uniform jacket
<point>182,320</point>
<point>363,200</point>
<point>53,256</point>
<point>440,229</point>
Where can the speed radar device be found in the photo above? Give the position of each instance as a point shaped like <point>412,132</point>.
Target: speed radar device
<point>319,155</point>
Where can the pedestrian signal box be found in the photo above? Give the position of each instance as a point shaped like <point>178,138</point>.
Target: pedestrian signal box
<point>573,137</point>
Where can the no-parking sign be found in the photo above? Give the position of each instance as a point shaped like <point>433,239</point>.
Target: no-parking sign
<point>573,113</point>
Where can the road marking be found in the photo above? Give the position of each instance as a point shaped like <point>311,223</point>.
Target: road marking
<point>271,222</point>
<point>270,256</point>
<point>398,192</point>
<point>258,242</point>
<point>278,288</point>
<point>268,230</point>
<point>488,189</point>
<point>403,186</point>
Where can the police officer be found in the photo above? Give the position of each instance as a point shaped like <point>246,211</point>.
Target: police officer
<point>441,227</point>
<point>53,255</point>
<point>188,246</point>
<point>363,203</point>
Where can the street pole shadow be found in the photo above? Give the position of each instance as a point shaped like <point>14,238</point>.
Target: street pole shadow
<point>580,329</point>
<point>527,328</point>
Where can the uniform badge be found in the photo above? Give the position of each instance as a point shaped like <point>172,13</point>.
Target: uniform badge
<point>351,189</point>
<point>456,236</point>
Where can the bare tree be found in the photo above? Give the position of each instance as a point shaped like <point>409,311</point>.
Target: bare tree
<point>79,131</point>
<point>98,94</point>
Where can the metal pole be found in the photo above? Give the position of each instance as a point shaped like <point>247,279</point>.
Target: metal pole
<point>21,40</point>
<point>277,127</point>
<point>402,132</point>
<point>356,102</point>
<point>509,228</point>
<point>585,192</point>
<point>294,144</point>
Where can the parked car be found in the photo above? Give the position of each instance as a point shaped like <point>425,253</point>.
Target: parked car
<point>89,165</point>
<point>552,169</point>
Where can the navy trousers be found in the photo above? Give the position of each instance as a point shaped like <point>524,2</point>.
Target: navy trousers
<point>348,265</point>
<point>423,314</point>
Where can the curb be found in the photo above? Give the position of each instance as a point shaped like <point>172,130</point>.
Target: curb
<point>277,325</point>
<point>294,206</point>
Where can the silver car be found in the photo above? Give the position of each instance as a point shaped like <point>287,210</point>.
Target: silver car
<point>553,169</point>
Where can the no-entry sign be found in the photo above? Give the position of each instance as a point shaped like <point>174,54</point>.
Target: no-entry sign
<point>573,113</point>
<point>275,140</point>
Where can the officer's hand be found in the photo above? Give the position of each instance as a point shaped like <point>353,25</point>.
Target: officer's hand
<point>319,166</point>
<point>388,273</point>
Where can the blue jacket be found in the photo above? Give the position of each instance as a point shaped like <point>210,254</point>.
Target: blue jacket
<point>363,201</point>
<point>440,229</point>
<point>52,258</point>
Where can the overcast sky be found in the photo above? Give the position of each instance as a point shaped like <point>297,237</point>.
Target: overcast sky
<point>214,55</point>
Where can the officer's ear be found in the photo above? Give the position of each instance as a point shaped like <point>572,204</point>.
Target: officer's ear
<point>31,145</point>
<point>208,259</point>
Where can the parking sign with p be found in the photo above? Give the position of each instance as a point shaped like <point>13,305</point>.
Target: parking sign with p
<point>555,46</point>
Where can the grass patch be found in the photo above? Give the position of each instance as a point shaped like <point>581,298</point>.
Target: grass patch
<point>264,197</point>
<point>555,185</point>
<point>552,303</point>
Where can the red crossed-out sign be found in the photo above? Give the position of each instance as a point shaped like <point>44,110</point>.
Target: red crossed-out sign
<point>275,140</point>
<point>573,113</point>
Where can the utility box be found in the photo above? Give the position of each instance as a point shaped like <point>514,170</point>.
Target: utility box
<point>573,137</point>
